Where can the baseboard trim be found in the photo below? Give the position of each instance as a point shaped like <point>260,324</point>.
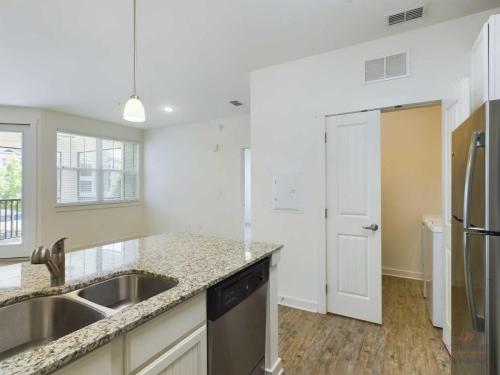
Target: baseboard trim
<point>402,273</point>
<point>298,303</point>
<point>276,369</point>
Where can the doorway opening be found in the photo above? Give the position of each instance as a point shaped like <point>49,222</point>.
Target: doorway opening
<point>411,185</point>
<point>411,161</point>
<point>246,221</point>
<point>17,190</point>
<point>383,174</point>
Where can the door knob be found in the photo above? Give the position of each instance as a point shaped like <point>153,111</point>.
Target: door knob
<point>373,227</point>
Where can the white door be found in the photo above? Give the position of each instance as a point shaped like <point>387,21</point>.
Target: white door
<point>450,122</point>
<point>456,110</point>
<point>354,269</point>
<point>17,190</point>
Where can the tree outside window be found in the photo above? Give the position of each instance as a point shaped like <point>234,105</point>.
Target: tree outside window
<point>11,178</point>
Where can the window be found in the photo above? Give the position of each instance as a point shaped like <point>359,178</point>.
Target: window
<point>95,170</point>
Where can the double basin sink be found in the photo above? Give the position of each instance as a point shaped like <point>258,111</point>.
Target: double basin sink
<point>35,322</point>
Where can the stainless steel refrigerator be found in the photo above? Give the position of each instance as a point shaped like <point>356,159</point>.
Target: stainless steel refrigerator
<point>476,243</point>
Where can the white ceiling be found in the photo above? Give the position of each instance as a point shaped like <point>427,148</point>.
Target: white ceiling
<point>194,55</point>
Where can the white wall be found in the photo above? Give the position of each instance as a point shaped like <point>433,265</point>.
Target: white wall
<point>289,104</point>
<point>82,226</point>
<point>191,187</point>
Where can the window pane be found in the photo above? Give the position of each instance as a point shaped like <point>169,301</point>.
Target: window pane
<point>93,169</point>
<point>112,185</point>
<point>76,151</point>
<point>112,152</point>
<point>63,150</point>
<point>69,188</point>
<point>88,157</point>
<point>130,187</point>
<point>87,185</point>
<point>77,186</point>
<point>130,157</point>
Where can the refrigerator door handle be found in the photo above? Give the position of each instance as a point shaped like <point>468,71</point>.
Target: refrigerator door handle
<point>477,140</point>
<point>478,323</point>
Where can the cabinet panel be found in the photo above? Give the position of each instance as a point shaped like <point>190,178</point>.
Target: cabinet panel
<point>494,40</point>
<point>480,69</point>
<point>188,357</point>
<point>151,338</point>
<point>107,360</point>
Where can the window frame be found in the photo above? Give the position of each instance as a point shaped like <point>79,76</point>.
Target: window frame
<point>100,202</point>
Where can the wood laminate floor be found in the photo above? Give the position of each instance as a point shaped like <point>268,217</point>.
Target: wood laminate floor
<point>406,343</point>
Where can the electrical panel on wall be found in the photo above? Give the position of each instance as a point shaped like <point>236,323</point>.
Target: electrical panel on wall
<point>287,193</point>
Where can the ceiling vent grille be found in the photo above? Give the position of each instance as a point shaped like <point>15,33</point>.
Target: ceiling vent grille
<point>406,16</point>
<point>394,19</point>
<point>386,68</point>
<point>415,13</point>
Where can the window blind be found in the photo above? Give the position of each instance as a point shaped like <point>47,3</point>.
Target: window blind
<point>91,169</point>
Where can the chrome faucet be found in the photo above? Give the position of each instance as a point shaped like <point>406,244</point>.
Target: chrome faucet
<point>54,259</point>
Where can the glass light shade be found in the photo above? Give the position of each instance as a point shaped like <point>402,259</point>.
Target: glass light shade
<point>134,110</point>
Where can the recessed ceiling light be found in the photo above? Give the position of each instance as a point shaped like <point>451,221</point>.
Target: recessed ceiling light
<point>168,109</point>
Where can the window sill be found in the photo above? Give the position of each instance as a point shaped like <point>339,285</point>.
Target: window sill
<point>68,207</point>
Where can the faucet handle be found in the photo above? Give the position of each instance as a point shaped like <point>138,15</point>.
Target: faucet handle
<point>58,246</point>
<point>40,255</point>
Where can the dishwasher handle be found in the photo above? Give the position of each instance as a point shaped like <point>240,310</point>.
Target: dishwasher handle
<point>230,292</point>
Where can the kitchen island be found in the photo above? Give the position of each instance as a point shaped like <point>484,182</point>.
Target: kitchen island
<point>195,262</point>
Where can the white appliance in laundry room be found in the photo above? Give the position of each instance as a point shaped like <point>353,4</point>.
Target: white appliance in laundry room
<point>433,266</point>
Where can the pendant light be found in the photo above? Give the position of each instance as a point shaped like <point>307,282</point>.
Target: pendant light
<point>134,110</point>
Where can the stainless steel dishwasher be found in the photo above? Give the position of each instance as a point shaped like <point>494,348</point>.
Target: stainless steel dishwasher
<point>237,322</point>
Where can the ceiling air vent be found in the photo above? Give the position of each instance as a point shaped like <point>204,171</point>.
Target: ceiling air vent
<point>406,16</point>
<point>389,67</point>
<point>415,13</point>
<point>236,103</point>
<point>396,18</point>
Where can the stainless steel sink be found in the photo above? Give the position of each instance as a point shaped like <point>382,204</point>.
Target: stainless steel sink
<point>122,291</point>
<point>36,322</point>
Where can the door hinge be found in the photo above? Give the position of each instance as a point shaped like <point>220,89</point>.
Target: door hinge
<point>326,213</point>
<point>326,137</point>
<point>326,288</point>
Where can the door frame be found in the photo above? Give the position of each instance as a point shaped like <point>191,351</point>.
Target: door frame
<point>13,118</point>
<point>321,123</point>
<point>243,189</point>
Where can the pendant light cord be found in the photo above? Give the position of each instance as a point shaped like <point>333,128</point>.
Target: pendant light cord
<point>135,46</point>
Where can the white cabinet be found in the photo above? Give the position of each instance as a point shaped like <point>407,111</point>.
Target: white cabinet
<point>174,343</point>
<point>107,360</point>
<point>188,357</point>
<point>485,60</point>
<point>479,69</point>
<point>154,337</point>
<point>494,57</point>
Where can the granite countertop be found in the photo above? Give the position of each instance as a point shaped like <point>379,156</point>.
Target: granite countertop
<point>196,261</point>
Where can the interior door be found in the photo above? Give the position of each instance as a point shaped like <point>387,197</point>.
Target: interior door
<point>456,110</point>
<point>354,269</point>
<point>450,123</point>
<point>17,190</point>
